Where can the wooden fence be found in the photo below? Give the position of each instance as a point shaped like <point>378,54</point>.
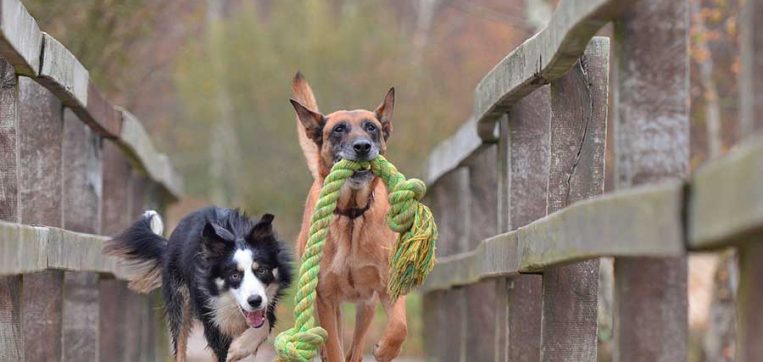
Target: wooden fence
<point>525,229</point>
<point>72,167</point>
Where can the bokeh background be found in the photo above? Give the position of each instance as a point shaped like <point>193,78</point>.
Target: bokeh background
<point>210,79</point>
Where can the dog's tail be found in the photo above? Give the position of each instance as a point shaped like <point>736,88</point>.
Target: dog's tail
<point>142,247</point>
<point>304,95</point>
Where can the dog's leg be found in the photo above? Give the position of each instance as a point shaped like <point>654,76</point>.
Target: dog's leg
<point>364,315</point>
<point>395,332</point>
<point>176,305</point>
<point>218,342</point>
<point>248,342</point>
<point>332,351</point>
<point>185,330</point>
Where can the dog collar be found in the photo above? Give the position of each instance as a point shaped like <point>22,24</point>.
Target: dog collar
<point>355,212</point>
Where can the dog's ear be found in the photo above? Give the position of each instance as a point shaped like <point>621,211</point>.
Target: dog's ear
<point>384,112</point>
<point>263,229</point>
<point>311,120</point>
<point>215,240</point>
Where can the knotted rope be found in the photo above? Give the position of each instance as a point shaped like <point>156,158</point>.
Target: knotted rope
<point>411,260</point>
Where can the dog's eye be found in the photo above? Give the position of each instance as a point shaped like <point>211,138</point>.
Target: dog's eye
<point>235,276</point>
<point>370,127</point>
<point>340,128</point>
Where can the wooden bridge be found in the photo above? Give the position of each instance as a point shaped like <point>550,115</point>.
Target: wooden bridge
<point>72,167</point>
<point>518,193</point>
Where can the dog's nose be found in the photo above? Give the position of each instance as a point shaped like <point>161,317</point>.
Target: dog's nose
<point>362,147</point>
<point>254,301</point>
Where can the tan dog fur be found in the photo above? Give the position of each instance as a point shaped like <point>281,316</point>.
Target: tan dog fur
<point>355,262</point>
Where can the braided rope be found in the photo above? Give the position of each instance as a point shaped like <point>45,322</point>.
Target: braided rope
<point>411,261</point>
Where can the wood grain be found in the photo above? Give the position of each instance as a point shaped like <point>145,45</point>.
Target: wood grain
<point>546,56</point>
<point>82,202</point>
<point>651,144</point>
<point>115,217</point>
<point>576,172</point>
<point>751,77</point>
<point>11,338</point>
<point>481,297</point>
<point>40,135</point>
<point>450,202</point>
<point>63,74</point>
<point>750,294</point>
<point>20,37</point>
<point>640,222</point>
<point>528,179</point>
<point>137,145</point>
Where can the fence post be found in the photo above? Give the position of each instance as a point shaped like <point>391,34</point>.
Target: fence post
<point>82,205</point>
<point>139,337</point>
<point>481,296</point>
<point>115,217</point>
<point>450,205</point>
<point>576,172</point>
<point>526,136</point>
<point>40,134</point>
<point>750,294</point>
<point>11,339</point>
<point>651,144</point>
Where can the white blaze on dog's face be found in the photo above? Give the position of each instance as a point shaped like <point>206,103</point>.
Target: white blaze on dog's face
<point>248,284</point>
<point>250,294</point>
<point>243,276</point>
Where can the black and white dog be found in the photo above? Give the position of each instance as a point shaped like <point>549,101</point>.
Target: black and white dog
<point>219,266</point>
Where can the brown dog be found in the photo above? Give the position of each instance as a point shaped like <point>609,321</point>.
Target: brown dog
<point>355,260</point>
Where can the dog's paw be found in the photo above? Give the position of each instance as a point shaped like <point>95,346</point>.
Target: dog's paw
<point>247,343</point>
<point>386,353</point>
<point>237,355</point>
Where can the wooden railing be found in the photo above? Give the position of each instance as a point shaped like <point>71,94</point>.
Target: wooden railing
<point>73,170</point>
<point>517,191</point>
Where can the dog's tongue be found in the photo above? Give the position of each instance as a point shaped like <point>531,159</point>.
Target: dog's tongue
<point>255,319</point>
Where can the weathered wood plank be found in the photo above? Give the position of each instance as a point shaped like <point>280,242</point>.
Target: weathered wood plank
<point>450,153</point>
<point>450,206</point>
<point>82,201</point>
<point>481,297</point>
<point>610,225</point>
<point>112,315</point>
<point>725,205</point>
<point>11,341</point>
<point>503,182</point>
<point>651,144</point>
<point>115,218</point>
<point>40,135</point>
<point>137,144</point>
<point>751,77</point>
<point>576,172</point>
<point>541,59</point>
<point>83,184</point>
<point>8,142</point>
<point>80,317</point>
<point>63,74</point>
<point>750,294</point>
<point>25,248</point>
<point>100,115</point>
<point>136,327</point>
<point>450,200</point>
<point>749,300</point>
<point>20,37</point>
<point>11,338</point>
<point>40,138</point>
<point>528,134</point>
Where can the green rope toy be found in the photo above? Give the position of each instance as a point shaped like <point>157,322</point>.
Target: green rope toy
<point>411,260</point>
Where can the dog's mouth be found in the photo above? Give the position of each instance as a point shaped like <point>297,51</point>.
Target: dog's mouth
<point>254,319</point>
<point>362,174</point>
